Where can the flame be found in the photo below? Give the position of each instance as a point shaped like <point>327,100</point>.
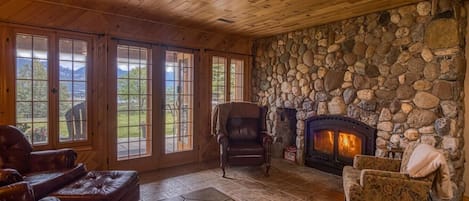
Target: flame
<point>349,145</point>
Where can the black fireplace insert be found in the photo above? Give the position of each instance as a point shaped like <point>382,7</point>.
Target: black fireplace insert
<point>332,141</point>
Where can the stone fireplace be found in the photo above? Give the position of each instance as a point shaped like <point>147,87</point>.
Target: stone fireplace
<point>332,141</point>
<point>395,71</point>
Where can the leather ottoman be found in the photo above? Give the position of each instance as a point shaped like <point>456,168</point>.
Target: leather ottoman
<point>102,186</point>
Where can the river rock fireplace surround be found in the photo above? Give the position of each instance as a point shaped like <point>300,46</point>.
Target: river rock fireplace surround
<point>332,141</point>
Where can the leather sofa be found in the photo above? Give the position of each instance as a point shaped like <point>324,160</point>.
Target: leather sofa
<point>240,128</point>
<point>54,172</point>
<point>45,171</point>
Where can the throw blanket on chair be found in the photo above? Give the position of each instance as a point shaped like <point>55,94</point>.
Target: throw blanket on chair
<point>425,159</point>
<point>220,116</point>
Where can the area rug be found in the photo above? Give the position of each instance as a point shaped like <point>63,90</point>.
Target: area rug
<point>206,194</point>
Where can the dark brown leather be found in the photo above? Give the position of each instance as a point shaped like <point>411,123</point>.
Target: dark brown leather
<point>15,149</point>
<point>246,141</point>
<point>102,186</point>
<point>9,176</point>
<point>245,149</point>
<point>45,171</point>
<point>46,182</point>
<point>52,160</point>
<point>243,129</point>
<point>20,191</point>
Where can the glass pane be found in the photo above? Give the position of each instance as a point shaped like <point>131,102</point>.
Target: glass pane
<point>40,90</point>
<point>80,51</point>
<point>324,141</point>
<point>32,87</point>
<point>24,46</point>
<point>72,90</point>
<point>66,49</point>
<point>178,101</point>
<point>79,91</point>
<point>39,133</point>
<point>40,69</point>
<point>24,111</point>
<point>24,68</point>
<point>349,145</point>
<point>24,90</point>
<point>79,71</point>
<point>133,89</point>
<point>236,80</point>
<point>40,47</point>
<point>218,80</point>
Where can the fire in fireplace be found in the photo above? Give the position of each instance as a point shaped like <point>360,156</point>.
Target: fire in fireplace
<point>332,142</point>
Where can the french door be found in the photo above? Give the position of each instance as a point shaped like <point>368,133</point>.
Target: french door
<point>151,112</point>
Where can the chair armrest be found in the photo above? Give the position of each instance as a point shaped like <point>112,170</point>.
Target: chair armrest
<point>376,163</point>
<point>9,176</point>
<point>52,160</point>
<point>17,191</point>
<point>391,184</point>
<point>266,138</point>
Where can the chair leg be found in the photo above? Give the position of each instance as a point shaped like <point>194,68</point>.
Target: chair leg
<point>267,168</point>
<point>223,169</point>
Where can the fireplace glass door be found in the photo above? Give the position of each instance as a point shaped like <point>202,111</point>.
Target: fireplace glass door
<point>324,141</point>
<point>349,145</point>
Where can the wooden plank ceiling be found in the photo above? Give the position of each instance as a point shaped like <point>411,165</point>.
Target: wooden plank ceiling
<point>253,18</point>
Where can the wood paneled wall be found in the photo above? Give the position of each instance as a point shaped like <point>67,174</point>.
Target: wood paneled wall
<point>105,27</point>
<point>46,14</point>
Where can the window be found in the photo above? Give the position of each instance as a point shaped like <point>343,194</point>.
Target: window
<point>236,80</point>
<point>134,93</point>
<point>178,108</point>
<point>45,92</point>
<point>227,84</point>
<point>32,86</point>
<point>218,80</point>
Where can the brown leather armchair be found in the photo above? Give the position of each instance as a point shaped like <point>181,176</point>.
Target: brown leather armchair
<point>240,128</point>
<point>20,191</point>
<point>45,171</point>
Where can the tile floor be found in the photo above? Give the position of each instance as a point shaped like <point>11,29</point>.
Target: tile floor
<point>286,182</point>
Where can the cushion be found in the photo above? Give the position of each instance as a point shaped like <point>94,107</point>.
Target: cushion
<point>243,129</point>
<point>245,149</point>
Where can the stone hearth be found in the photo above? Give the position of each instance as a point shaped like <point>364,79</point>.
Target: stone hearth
<point>395,70</point>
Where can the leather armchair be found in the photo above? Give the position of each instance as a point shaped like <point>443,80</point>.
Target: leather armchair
<point>45,171</point>
<point>20,191</point>
<point>241,132</point>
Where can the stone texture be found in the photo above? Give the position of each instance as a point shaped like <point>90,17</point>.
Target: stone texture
<point>385,126</point>
<point>350,59</point>
<point>405,92</point>
<point>399,117</point>
<point>442,126</point>
<point>418,118</point>
<point>365,94</point>
<point>412,134</point>
<point>443,90</point>
<point>337,106</point>
<point>349,95</point>
<point>333,80</point>
<point>422,85</point>
<point>398,71</point>
<point>435,38</point>
<point>426,100</point>
<point>308,58</point>
<point>449,108</point>
<point>302,68</point>
<point>385,115</point>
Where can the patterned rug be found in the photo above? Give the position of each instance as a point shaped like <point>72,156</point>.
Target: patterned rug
<point>206,194</point>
